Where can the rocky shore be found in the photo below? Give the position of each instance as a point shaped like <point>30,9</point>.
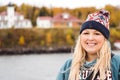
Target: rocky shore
<point>19,51</point>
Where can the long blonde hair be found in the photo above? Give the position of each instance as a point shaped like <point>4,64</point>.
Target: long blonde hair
<point>102,64</point>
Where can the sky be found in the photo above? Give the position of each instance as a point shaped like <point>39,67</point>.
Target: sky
<point>64,3</point>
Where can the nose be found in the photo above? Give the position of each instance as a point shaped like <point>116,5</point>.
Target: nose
<point>91,37</point>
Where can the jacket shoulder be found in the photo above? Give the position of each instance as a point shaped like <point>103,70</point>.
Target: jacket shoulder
<point>116,60</point>
<point>116,57</point>
<point>67,64</point>
<point>64,71</point>
<point>115,66</point>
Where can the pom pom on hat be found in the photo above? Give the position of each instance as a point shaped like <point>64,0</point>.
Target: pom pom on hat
<point>98,21</point>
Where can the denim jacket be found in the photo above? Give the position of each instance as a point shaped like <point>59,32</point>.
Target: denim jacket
<point>115,69</point>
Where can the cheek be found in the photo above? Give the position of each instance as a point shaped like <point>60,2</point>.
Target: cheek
<point>101,42</point>
<point>82,41</point>
<point>83,38</point>
<point>100,39</point>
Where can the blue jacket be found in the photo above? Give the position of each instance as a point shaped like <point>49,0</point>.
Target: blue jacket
<point>115,69</point>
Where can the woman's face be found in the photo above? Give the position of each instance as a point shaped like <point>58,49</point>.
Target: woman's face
<point>91,40</point>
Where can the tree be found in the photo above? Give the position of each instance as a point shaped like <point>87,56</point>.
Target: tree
<point>44,12</point>
<point>27,10</point>
<point>114,15</point>
<point>2,8</point>
<point>48,38</point>
<point>69,37</point>
<point>0,43</point>
<point>35,15</point>
<point>21,41</point>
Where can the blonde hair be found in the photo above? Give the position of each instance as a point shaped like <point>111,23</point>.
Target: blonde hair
<point>102,64</point>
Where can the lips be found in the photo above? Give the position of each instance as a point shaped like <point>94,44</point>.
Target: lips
<point>91,44</point>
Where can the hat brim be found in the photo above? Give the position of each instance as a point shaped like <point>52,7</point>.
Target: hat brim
<point>97,26</point>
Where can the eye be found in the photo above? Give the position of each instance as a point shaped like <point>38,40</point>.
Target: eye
<point>97,33</point>
<point>85,33</point>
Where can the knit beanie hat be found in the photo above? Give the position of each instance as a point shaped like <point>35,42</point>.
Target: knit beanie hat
<point>98,21</point>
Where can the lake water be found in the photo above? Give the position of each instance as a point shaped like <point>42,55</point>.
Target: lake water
<point>32,67</point>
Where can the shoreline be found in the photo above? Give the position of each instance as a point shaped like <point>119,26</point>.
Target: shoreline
<point>20,51</point>
<point>50,50</point>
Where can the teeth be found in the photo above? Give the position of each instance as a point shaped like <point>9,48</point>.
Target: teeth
<point>91,44</point>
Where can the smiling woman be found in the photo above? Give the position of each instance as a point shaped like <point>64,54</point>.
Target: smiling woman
<point>92,58</point>
<point>91,40</point>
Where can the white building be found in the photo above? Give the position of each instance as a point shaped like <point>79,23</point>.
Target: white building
<point>10,18</point>
<point>59,20</point>
<point>44,22</point>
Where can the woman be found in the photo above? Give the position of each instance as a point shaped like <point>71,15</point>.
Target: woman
<point>92,58</point>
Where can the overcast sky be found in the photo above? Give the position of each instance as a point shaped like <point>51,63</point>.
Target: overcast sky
<point>64,3</point>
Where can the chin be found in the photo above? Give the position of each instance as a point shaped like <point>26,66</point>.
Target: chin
<point>91,52</point>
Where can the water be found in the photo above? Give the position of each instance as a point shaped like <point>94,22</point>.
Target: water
<point>31,67</point>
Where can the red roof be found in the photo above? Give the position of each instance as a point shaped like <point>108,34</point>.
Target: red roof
<point>45,18</point>
<point>117,41</point>
<point>4,13</point>
<point>65,17</point>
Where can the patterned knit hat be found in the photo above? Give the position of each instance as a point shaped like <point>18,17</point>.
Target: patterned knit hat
<point>98,21</point>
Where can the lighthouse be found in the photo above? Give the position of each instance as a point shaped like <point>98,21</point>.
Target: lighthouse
<point>11,15</point>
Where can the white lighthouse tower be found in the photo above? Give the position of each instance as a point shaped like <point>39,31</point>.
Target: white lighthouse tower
<point>11,15</point>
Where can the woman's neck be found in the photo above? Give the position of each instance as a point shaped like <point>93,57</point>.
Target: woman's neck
<point>91,57</point>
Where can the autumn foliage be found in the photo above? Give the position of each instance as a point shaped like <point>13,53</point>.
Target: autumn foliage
<point>39,38</point>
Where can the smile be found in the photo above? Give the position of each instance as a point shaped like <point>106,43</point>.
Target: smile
<point>91,44</point>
